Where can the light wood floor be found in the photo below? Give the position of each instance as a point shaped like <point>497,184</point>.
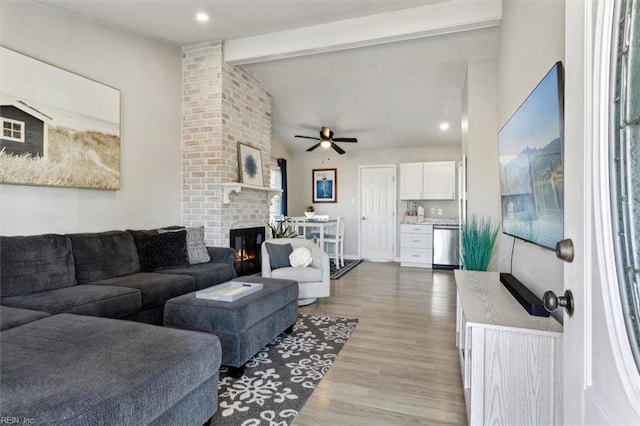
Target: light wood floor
<point>400,366</point>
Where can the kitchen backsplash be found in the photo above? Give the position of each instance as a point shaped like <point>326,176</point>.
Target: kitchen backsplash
<point>447,208</point>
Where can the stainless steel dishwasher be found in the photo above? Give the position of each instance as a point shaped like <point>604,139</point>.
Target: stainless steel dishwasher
<point>446,247</point>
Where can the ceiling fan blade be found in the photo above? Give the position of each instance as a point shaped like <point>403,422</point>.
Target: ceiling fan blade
<point>345,140</point>
<point>307,137</point>
<point>337,148</point>
<point>313,147</point>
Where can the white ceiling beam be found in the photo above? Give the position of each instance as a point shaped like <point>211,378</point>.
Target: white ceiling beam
<point>423,21</point>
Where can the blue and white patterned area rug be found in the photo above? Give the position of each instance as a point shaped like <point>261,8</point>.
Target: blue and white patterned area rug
<point>283,375</point>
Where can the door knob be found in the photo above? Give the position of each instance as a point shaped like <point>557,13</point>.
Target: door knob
<point>551,302</point>
<point>364,218</point>
<point>564,250</point>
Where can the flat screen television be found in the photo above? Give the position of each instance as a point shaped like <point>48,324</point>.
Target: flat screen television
<point>530,150</point>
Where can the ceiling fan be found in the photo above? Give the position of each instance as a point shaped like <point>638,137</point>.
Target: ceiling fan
<point>327,140</point>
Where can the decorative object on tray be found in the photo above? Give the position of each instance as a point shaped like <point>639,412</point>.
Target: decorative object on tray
<point>309,211</point>
<point>283,375</point>
<point>229,291</point>
<point>250,165</point>
<point>324,185</point>
<point>57,128</point>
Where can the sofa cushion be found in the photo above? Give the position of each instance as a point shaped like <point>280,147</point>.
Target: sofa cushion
<point>155,288</point>
<point>13,317</point>
<point>206,274</point>
<point>35,263</point>
<point>103,255</point>
<point>302,275</point>
<point>222,255</point>
<point>162,250</point>
<point>85,299</point>
<point>279,255</point>
<point>79,370</point>
<point>138,238</point>
<point>300,257</point>
<point>196,247</point>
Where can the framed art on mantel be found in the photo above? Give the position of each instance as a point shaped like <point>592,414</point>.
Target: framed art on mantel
<point>325,183</point>
<point>250,164</point>
<point>57,128</point>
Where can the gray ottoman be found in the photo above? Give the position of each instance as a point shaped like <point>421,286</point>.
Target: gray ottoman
<point>243,326</point>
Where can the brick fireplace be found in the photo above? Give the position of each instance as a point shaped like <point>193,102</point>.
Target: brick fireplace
<point>222,105</point>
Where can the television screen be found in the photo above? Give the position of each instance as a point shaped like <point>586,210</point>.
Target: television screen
<point>530,149</point>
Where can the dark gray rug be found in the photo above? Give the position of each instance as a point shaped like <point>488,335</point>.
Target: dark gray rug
<point>348,266</point>
<point>281,377</point>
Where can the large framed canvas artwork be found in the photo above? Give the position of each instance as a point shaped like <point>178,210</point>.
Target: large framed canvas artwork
<point>57,128</point>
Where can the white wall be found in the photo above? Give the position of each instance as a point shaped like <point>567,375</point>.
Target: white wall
<point>299,183</point>
<point>531,41</point>
<point>480,127</point>
<point>148,75</point>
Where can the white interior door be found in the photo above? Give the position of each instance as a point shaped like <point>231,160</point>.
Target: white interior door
<point>377,212</point>
<point>601,380</point>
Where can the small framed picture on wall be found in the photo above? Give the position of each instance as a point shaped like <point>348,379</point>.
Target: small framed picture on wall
<point>250,164</point>
<point>325,184</point>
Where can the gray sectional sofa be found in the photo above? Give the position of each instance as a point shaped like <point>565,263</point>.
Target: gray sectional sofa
<point>67,358</point>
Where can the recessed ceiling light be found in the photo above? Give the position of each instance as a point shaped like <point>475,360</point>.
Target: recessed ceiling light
<point>444,125</point>
<point>202,17</point>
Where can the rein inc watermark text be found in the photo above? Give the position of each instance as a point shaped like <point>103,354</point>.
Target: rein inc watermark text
<point>8,420</point>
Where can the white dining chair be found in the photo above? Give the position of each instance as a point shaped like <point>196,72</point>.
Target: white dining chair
<point>297,224</point>
<point>334,243</point>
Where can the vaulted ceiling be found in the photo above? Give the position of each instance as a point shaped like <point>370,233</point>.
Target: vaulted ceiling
<point>386,72</point>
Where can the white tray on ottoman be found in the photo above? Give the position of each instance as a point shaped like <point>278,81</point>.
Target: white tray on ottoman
<point>229,291</point>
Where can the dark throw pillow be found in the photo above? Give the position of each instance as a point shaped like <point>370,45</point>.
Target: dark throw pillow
<point>279,255</point>
<point>196,246</point>
<point>163,251</point>
<point>140,236</point>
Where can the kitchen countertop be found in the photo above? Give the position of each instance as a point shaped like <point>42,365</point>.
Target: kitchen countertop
<point>432,221</point>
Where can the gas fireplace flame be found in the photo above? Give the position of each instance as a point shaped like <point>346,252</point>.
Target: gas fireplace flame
<point>243,255</point>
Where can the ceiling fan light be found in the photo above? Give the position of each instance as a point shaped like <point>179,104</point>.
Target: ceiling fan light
<point>325,144</point>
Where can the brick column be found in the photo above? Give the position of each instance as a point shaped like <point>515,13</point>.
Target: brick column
<point>221,106</point>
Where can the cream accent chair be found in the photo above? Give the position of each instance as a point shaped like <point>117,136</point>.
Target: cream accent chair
<point>313,281</point>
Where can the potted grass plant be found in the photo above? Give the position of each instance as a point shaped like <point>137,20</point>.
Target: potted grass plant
<point>478,241</point>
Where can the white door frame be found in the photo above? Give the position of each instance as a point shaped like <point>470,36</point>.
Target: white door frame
<point>395,206</point>
<point>601,380</point>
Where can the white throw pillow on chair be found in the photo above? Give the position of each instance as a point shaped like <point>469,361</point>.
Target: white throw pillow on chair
<point>300,257</point>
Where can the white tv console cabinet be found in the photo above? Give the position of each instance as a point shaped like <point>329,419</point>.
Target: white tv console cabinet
<point>511,362</point>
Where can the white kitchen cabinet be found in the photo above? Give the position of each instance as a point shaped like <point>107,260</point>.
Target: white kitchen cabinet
<point>510,361</point>
<point>433,180</point>
<point>416,245</point>
<point>411,181</point>
<point>439,180</point>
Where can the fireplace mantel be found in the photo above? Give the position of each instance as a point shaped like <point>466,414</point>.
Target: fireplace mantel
<point>228,188</point>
